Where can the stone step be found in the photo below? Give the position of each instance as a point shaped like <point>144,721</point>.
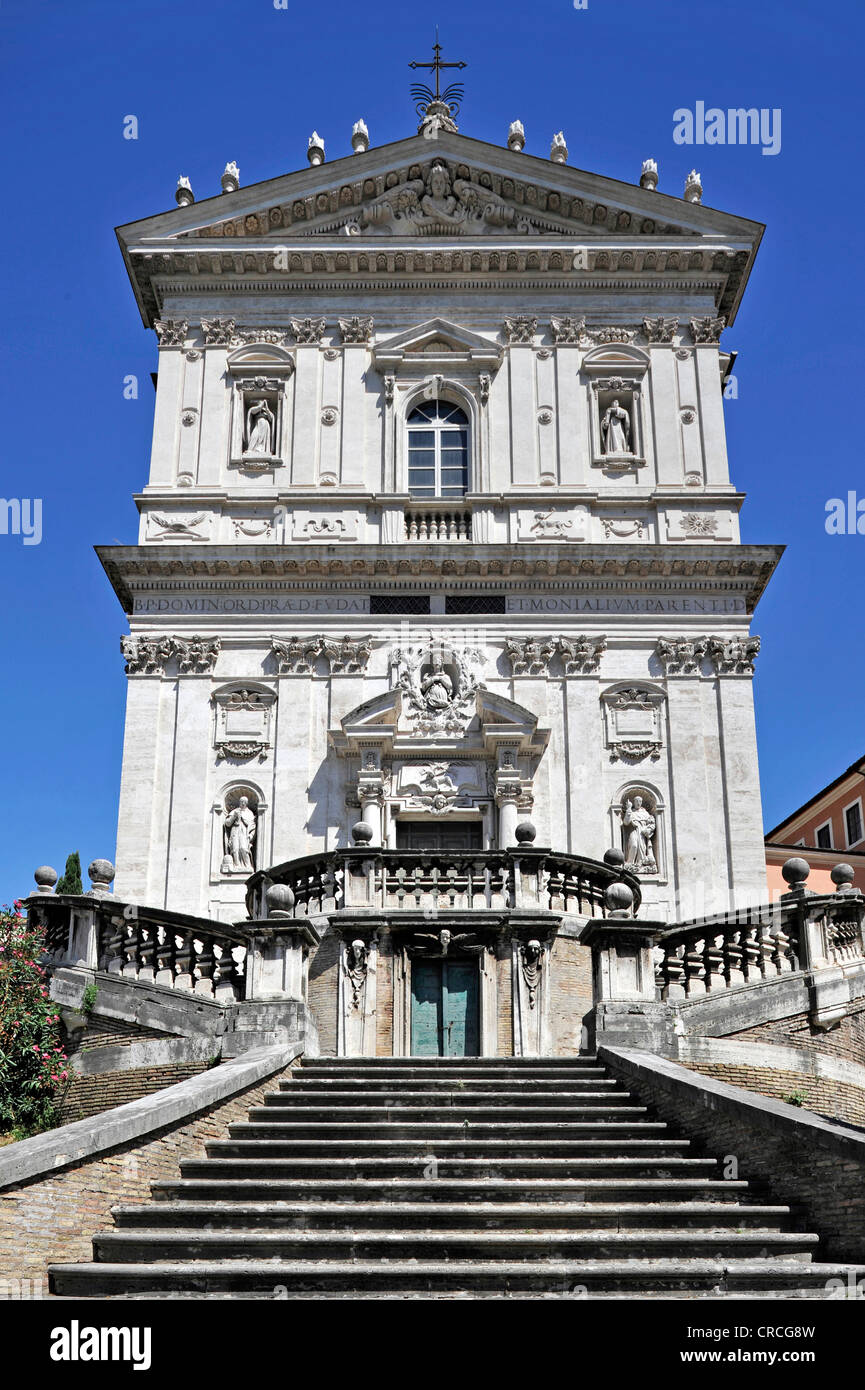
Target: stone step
<point>583,1059</point>
<point>611,1145</point>
<point>340,1215</point>
<point>452,1076</point>
<point>434,1084</point>
<point>144,1246</point>
<point>487,1189</point>
<point>451,1097</point>
<point>475,1114</point>
<point>431,1130</point>
<point>350,1167</point>
<point>564,1279</point>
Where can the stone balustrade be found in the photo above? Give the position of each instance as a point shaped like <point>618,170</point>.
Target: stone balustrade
<point>717,954</point>
<point>438,524</point>
<point>394,880</point>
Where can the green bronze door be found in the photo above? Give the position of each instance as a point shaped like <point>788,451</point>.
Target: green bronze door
<point>444,1008</point>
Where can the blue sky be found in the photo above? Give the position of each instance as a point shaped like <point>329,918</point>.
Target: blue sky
<point>215,81</point>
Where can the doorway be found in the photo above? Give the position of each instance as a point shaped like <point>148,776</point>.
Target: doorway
<point>445,1015</point>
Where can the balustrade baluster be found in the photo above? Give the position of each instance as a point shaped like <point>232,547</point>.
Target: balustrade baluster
<point>182,960</point>
<point>130,951</point>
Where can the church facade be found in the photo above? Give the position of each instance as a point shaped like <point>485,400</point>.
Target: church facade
<point>440,622</point>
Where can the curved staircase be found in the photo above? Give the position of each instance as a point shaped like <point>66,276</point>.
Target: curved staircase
<point>440,1178</point>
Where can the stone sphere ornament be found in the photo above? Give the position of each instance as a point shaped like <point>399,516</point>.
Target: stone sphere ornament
<point>615,858</point>
<point>101,874</point>
<point>361,833</point>
<point>45,877</point>
<point>795,871</point>
<point>525,832</point>
<point>279,899</point>
<point>619,899</point>
<point>842,876</point>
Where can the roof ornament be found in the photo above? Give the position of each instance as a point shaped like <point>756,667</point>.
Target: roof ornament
<point>184,194</point>
<point>559,149</point>
<point>516,136</point>
<point>649,174</point>
<point>360,137</point>
<point>693,188</point>
<point>315,149</point>
<point>230,177</point>
<point>437,108</point>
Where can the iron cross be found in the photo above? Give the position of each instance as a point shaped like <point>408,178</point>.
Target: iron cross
<point>437,65</point>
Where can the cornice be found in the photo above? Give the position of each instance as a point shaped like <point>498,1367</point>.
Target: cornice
<point>741,571</point>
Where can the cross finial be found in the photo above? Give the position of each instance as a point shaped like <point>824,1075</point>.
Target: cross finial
<point>452,94</point>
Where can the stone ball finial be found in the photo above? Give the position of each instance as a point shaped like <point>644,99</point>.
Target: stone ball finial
<point>359,137</point>
<point>795,871</point>
<point>559,149</point>
<point>101,874</point>
<point>619,899</point>
<point>525,832</point>
<point>615,858</point>
<point>842,876</point>
<point>230,178</point>
<point>279,899</point>
<point>693,188</point>
<point>361,833</point>
<point>649,174</point>
<point>184,194</point>
<point>516,136</point>
<point>45,877</point>
<point>315,149</point>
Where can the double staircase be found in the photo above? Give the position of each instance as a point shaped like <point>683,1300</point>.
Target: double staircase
<point>441,1178</point>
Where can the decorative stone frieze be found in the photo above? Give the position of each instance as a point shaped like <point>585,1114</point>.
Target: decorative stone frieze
<point>308,330</point>
<point>243,723</point>
<point>356,329</point>
<point>708,329</point>
<point>177,526</point>
<point>532,656</point>
<point>345,656</point>
<point>438,684</point>
<point>218,332</point>
<point>660,330</point>
<point>681,656</point>
<point>632,717</point>
<point>568,330</point>
<point>733,656</point>
<point>171,332</point>
<point>146,656</point>
<point>196,655</point>
<point>521,328</point>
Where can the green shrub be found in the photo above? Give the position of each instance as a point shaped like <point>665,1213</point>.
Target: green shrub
<point>71,880</point>
<point>33,1065</point>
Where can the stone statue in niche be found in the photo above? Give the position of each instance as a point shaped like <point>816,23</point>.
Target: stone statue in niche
<point>638,830</point>
<point>355,967</point>
<point>239,839</point>
<point>532,964</point>
<point>260,425</point>
<point>437,686</point>
<point>616,430</point>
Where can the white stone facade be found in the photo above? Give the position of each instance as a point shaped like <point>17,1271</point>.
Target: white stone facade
<point>593,603</point>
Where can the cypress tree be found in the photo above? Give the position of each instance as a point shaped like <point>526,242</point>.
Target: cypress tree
<point>71,880</point>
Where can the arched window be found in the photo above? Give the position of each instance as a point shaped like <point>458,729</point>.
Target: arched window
<point>438,450</point>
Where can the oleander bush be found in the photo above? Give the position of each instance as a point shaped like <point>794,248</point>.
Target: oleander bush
<point>33,1065</point>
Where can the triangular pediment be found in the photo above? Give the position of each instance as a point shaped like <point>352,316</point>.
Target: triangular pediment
<point>434,340</point>
<point>354,215</point>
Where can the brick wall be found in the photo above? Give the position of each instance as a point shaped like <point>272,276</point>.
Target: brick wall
<point>323,990</point>
<point>89,1095</point>
<point>794,1155</point>
<point>504,969</point>
<point>571,973</point>
<point>52,1220</point>
<point>384,997</point>
<point>836,1100</point>
<point>110,1032</point>
<point>847,1039</point>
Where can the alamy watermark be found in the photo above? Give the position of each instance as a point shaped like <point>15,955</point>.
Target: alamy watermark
<point>21,516</point>
<point>845,517</point>
<point>734,126</point>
